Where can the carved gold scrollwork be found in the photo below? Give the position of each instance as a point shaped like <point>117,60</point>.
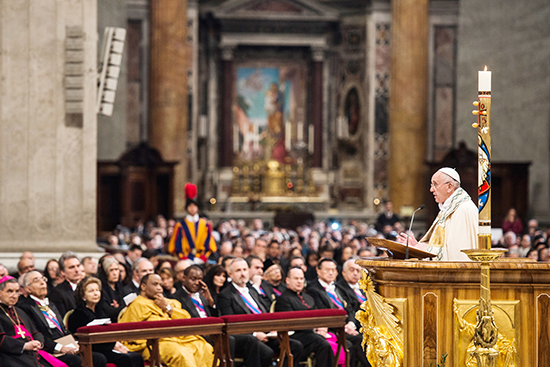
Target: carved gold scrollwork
<point>381,327</point>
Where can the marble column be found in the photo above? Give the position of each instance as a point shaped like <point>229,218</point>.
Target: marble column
<point>170,58</point>
<point>316,107</point>
<point>408,102</point>
<point>48,125</point>
<point>226,130</point>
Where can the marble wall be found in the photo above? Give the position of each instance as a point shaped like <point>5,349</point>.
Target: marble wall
<point>112,130</point>
<point>513,39</point>
<point>47,162</point>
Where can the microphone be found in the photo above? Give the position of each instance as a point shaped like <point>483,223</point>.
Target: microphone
<point>409,231</point>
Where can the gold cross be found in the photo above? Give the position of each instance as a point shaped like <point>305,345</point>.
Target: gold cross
<point>21,333</point>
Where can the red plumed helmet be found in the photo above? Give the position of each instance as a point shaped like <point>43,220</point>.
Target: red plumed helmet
<point>190,191</point>
<point>190,194</point>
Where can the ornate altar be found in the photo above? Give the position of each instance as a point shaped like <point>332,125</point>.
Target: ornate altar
<point>419,311</point>
<point>270,185</point>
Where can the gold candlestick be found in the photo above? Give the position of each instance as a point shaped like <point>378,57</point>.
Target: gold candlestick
<point>246,179</point>
<point>236,181</point>
<point>300,176</point>
<point>288,175</point>
<point>486,331</point>
<point>256,169</point>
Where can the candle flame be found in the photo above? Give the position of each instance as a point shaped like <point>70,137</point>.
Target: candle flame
<point>485,68</point>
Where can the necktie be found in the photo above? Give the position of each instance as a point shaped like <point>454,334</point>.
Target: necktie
<point>360,296</point>
<point>335,300</point>
<point>199,307</point>
<point>250,306</point>
<point>303,302</point>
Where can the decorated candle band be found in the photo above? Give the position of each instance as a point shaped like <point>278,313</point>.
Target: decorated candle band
<point>484,157</point>
<point>484,161</point>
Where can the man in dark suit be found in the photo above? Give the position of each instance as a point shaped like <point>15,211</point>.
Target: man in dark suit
<point>293,299</point>
<point>195,298</point>
<point>48,320</point>
<point>255,276</point>
<point>62,295</point>
<point>326,295</point>
<point>134,253</point>
<point>241,298</point>
<point>194,295</point>
<point>140,268</point>
<point>348,286</point>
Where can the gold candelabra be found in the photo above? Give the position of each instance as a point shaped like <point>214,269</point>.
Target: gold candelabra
<point>271,178</point>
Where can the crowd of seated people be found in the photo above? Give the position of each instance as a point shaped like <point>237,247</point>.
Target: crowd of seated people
<point>253,271</point>
<point>523,242</point>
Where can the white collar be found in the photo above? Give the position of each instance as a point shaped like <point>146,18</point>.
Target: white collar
<point>243,290</point>
<point>447,202</point>
<point>136,284</point>
<point>42,302</point>
<point>355,286</point>
<point>193,295</point>
<point>192,218</point>
<point>326,285</point>
<point>73,285</point>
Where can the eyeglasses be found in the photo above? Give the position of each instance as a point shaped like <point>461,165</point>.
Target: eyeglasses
<point>44,279</point>
<point>436,185</point>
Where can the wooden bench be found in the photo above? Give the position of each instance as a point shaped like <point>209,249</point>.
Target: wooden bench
<point>283,322</point>
<point>220,328</point>
<point>152,331</point>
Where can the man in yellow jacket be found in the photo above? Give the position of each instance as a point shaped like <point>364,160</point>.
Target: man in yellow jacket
<point>150,305</point>
<point>192,238</point>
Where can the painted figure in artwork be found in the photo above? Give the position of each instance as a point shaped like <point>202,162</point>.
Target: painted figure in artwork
<point>273,109</point>
<point>352,111</point>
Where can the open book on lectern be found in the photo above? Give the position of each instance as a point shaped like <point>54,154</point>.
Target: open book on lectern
<point>398,250</point>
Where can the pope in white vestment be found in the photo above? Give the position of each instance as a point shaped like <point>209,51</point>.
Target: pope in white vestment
<point>455,227</point>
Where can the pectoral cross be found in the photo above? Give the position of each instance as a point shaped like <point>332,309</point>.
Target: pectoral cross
<point>21,333</point>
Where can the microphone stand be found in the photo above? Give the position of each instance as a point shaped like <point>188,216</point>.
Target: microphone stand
<point>409,231</point>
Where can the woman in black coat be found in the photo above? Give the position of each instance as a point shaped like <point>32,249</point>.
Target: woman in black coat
<point>111,292</point>
<point>216,280</point>
<point>87,296</point>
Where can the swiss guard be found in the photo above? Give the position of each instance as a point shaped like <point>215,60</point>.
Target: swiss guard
<point>192,238</point>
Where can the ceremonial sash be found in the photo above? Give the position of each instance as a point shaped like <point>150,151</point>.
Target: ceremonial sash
<point>250,306</point>
<point>360,296</point>
<point>48,317</point>
<point>199,307</point>
<point>276,291</point>
<point>335,300</point>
